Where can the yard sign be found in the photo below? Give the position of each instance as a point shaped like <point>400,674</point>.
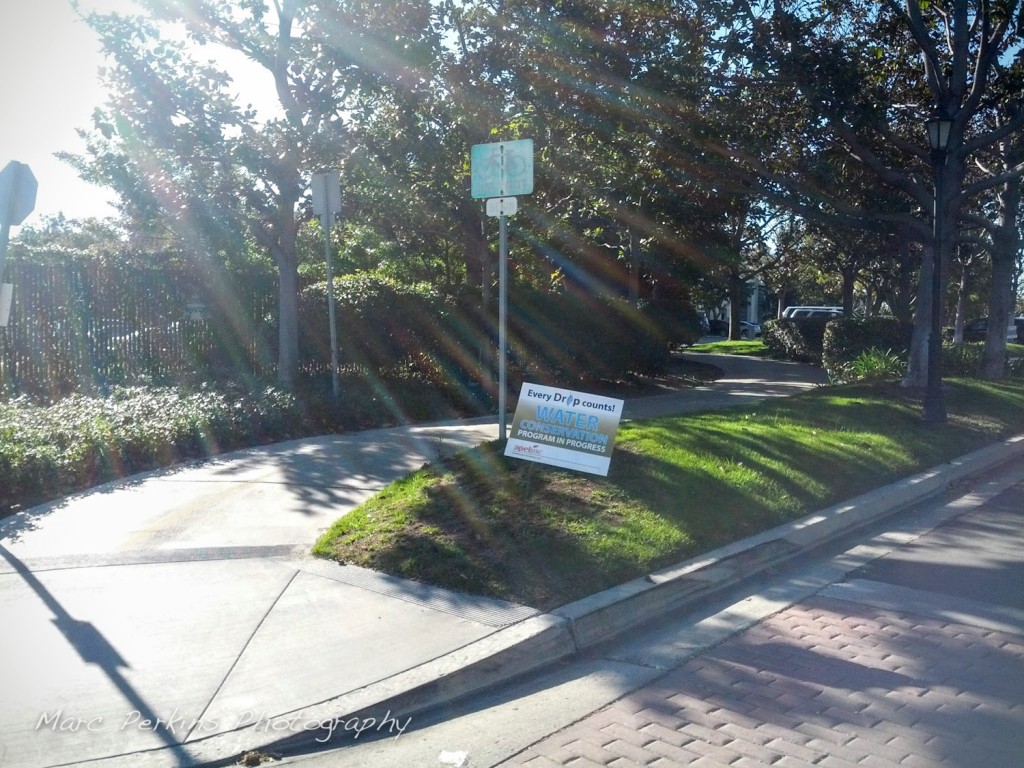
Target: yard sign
<point>572,430</point>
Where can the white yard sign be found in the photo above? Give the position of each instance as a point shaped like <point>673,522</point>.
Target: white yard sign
<point>572,430</point>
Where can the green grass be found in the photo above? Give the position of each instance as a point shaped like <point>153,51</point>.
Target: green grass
<point>680,486</point>
<point>749,348</point>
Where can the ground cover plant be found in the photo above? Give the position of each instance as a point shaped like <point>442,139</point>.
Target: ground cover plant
<point>48,450</point>
<point>679,486</point>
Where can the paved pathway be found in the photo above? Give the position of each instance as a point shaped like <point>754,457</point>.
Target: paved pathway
<point>176,617</point>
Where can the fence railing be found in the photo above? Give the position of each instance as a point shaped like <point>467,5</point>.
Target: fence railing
<point>76,326</point>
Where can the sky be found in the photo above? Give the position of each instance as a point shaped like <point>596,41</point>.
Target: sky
<point>49,86</point>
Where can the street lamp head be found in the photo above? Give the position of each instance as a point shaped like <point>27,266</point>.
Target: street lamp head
<point>938,132</point>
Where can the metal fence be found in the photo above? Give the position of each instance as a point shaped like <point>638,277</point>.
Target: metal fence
<point>77,326</point>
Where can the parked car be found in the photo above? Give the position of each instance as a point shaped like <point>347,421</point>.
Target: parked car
<point>816,312</point>
<point>749,330</point>
<point>975,330</point>
<point>705,325</point>
<point>719,327</point>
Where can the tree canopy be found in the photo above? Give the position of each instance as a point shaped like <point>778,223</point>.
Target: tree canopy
<point>682,148</point>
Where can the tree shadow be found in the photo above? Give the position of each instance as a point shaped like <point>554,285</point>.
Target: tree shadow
<point>846,680</point>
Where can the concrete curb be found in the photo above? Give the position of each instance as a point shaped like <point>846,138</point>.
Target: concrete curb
<point>572,629</point>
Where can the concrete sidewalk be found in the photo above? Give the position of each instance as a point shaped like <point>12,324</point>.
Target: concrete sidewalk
<point>176,618</point>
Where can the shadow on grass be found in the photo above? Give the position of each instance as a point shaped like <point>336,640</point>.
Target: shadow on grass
<point>677,487</point>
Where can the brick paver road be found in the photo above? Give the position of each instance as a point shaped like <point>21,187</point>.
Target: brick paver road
<point>824,683</point>
<point>917,661</point>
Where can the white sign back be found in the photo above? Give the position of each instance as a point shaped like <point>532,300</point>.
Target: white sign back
<point>502,206</point>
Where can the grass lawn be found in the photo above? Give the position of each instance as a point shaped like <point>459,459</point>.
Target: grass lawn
<point>678,486</point>
<point>754,348</point>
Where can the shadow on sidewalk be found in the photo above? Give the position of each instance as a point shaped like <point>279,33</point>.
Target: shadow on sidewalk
<point>94,648</point>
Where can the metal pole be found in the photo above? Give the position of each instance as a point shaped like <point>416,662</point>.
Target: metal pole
<point>502,322</point>
<point>327,218</point>
<point>934,409</point>
<point>6,217</point>
<point>5,235</point>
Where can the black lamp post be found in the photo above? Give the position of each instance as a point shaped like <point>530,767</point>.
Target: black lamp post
<point>934,410</point>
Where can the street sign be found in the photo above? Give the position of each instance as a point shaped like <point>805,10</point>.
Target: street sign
<point>502,169</point>
<point>6,294</point>
<point>18,187</point>
<point>326,189</point>
<point>502,206</point>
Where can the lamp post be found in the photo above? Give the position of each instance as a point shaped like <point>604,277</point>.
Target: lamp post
<point>934,410</point>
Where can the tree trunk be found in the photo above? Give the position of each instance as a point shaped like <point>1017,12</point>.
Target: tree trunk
<point>901,305</point>
<point>917,362</point>
<point>961,306</point>
<point>635,261</point>
<point>849,279</point>
<point>288,323</point>
<point>1006,242</point>
<point>737,298</point>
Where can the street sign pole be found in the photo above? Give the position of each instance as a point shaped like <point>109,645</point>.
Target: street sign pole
<point>502,325</point>
<point>335,382</point>
<point>499,172</point>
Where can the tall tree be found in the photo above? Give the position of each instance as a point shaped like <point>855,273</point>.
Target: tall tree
<point>865,77</point>
<point>180,148</point>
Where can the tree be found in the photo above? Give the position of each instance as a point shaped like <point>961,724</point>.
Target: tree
<point>180,150</point>
<point>849,73</point>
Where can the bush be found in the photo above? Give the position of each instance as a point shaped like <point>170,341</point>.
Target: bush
<point>381,325</point>
<point>47,451</point>
<point>574,339</point>
<point>798,339</point>
<point>846,339</point>
<point>963,359</point>
<point>395,332</point>
<point>872,365</point>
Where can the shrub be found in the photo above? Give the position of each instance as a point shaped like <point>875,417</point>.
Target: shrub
<point>963,359</point>
<point>798,339</point>
<point>872,365</point>
<point>846,339</point>
<point>47,451</point>
<point>560,337</point>
<point>399,333</point>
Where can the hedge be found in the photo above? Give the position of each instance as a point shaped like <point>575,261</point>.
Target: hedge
<point>47,451</point>
<point>800,339</point>
<point>388,329</point>
<point>846,338</point>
